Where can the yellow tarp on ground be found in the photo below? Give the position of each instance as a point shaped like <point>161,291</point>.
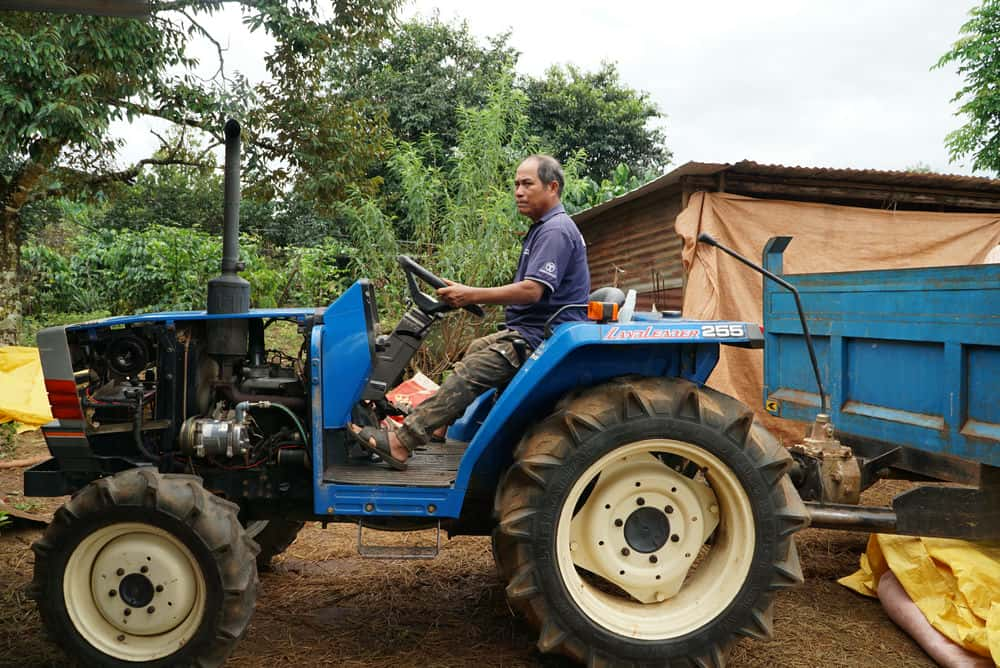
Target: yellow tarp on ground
<point>22,388</point>
<point>955,583</point>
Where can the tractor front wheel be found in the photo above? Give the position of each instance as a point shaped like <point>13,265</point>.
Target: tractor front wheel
<point>144,569</point>
<point>274,537</point>
<point>647,522</point>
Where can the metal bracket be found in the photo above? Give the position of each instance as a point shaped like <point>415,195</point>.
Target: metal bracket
<point>829,470</point>
<point>398,551</point>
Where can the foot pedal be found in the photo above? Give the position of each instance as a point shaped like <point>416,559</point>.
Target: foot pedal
<point>398,551</point>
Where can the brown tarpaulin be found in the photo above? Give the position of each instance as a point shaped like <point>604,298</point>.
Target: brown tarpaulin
<point>826,238</point>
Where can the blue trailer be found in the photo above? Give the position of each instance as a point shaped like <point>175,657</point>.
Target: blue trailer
<point>910,359</point>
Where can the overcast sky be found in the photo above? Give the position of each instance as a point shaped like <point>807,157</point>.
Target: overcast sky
<point>823,83</point>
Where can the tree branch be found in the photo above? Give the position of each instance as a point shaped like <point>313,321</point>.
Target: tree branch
<point>84,180</point>
<point>218,47</point>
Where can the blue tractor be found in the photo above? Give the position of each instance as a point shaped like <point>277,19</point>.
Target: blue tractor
<point>638,518</point>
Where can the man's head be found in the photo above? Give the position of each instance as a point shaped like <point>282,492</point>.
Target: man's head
<point>538,185</point>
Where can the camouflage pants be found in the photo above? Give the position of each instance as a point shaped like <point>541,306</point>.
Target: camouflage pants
<point>490,361</point>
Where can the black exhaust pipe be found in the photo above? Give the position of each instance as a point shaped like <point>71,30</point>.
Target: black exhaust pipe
<point>229,294</point>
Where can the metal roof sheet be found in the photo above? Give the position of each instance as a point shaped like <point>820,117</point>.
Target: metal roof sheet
<point>749,167</point>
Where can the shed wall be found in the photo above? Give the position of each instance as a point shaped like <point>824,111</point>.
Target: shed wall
<point>639,238</point>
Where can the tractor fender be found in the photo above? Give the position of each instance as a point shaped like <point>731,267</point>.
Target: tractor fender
<point>579,355</point>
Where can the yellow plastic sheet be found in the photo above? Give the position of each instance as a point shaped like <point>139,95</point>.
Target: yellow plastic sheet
<point>22,388</point>
<point>955,583</point>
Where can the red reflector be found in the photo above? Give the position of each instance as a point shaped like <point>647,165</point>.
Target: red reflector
<point>64,400</point>
<point>61,386</point>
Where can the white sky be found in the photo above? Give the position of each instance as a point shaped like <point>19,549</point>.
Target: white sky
<point>819,83</point>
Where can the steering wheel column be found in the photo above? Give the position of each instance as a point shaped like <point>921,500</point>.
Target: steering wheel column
<point>394,352</point>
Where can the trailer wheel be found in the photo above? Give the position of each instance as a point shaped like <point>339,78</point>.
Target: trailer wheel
<point>144,569</point>
<point>647,522</point>
<point>274,537</point>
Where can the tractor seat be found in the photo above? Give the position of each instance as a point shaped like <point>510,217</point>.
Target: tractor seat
<point>608,295</point>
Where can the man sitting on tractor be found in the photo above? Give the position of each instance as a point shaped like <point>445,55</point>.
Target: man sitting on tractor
<point>551,273</point>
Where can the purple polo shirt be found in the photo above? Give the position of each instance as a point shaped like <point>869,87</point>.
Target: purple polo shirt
<point>554,255</point>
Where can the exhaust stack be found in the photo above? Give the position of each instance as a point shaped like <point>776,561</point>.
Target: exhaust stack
<point>229,293</point>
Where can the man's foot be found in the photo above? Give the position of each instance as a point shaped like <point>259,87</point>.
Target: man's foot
<point>383,443</point>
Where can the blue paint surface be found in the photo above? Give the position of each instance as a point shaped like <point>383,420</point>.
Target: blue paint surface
<point>577,355</point>
<point>909,357</point>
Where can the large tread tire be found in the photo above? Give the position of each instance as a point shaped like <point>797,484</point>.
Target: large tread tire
<point>177,506</point>
<point>276,536</point>
<point>585,427</point>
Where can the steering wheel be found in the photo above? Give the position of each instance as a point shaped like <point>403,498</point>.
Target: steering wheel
<point>424,301</point>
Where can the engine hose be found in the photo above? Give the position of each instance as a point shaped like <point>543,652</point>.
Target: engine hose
<point>137,432</point>
<point>245,405</point>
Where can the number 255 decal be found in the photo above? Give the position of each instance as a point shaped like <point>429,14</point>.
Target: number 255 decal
<point>723,331</point>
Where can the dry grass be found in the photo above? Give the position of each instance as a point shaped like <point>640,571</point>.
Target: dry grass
<point>325,606</point>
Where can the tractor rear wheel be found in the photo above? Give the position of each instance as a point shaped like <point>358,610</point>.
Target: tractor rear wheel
<point>647,522</point>
<point>144,569</point>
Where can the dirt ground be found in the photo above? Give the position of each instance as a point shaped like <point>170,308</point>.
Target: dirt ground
<point>325,606</point>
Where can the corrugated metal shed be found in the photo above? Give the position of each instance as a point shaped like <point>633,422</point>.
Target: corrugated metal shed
<point>631,240</point>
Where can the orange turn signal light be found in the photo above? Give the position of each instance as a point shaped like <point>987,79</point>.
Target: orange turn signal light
<point>602,311</point>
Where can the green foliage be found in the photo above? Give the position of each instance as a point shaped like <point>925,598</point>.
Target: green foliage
<point>422,73</point>
<point>4,519</point>
<point>65,78</point>
<point>32,323</point>
<point>167,268</point>
<point>584,192</point>
<point>58,74</point>
<point>169,195</point>
<point>188,197</point>
<point>572,109</point>
<point>460,213</point>
<point>977,56</point>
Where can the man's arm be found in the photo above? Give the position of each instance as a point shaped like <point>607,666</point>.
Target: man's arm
<point>522,292</point>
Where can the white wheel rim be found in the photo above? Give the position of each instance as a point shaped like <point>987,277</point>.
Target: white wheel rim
<point>689,592</point>
<point>134,591</point>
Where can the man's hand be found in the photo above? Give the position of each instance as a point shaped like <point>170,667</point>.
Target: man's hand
<point>456,294</point>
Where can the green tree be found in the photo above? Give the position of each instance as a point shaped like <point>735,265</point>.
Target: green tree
<point>977,56</point>
<point>65,79</point>
<point>458,212</point>
<point>572,109</point>
<point>172,195</point>
<point>422,73</point>
<point>583,192</point>
<point>192,197</point>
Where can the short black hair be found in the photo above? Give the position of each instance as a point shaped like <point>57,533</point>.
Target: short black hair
<point>549,170</point>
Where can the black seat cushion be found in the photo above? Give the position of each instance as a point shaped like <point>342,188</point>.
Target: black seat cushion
<point>608,295</point>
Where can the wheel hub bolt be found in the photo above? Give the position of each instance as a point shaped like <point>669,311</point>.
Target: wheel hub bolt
<point>151,609</point>
<point>144,569</point>
<point>112,593</point>
<point>128,611</point>
<point>121,638</point>
<point>675,538</point>
<point>668,510</point>
<point>159,587</point>
<point>640,501</point>
<point>618,523</point>
<point>653,559</point>
<point>120,572</point>
<point>625,552</point>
